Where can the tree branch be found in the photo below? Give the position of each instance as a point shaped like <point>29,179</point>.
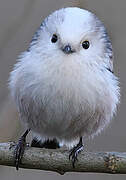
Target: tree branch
<point>58,161</point>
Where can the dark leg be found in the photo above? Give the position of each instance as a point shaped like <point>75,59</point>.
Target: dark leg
<point>19,149</point>
<point>75,151</point>
<point>49,144</point>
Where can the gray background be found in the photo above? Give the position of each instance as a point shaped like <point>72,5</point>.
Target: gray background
<point>18,21</point>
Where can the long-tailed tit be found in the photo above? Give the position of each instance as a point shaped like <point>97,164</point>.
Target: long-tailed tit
<point>63,85</point>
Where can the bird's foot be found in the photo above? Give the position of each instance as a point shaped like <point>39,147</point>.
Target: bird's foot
<point>75,151</point>
<point>19,149</point>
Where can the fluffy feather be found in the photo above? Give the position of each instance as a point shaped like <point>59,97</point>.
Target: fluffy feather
<point>66,96</point>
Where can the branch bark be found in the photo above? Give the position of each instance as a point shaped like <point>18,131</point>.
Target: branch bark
<point>58,161</point>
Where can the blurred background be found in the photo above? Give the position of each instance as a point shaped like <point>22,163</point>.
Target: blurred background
<point>19,19</point>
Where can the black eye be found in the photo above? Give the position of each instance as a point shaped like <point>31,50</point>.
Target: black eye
<point>85,44</point>
<point>54,38</point>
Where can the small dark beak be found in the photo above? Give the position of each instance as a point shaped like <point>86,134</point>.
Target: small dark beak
<point>67,49</point>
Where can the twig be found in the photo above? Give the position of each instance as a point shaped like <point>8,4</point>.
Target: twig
<point>58,161</point>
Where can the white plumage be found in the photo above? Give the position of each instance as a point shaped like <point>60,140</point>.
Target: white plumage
<point>66,96</point>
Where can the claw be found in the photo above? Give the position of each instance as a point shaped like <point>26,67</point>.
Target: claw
<point>19,149</point>
<point>75,151</point>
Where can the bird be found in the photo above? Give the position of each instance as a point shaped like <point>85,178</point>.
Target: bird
<point>63,85</point>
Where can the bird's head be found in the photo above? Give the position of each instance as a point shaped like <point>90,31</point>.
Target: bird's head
<point>71,32</point>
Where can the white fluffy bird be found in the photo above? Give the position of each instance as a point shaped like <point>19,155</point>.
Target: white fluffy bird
<point>63,85</point>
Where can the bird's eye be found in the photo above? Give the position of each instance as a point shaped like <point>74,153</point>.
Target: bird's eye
<point>54,38</point>
<point>85,44</point>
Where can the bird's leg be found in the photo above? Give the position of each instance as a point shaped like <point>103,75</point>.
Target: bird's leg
<point>19,149</point>
<point>49,144</point>
<point>75,151</point>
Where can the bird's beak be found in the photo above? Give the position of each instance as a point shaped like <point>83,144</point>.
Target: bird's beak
<point>67,49</point>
